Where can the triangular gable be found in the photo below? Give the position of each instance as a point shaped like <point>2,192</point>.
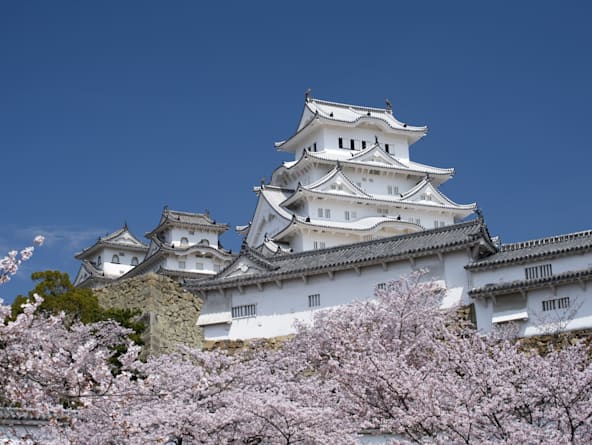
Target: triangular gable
<point>425,193</point>
<point>376,155</point>
<point>249,262</point>
<point>338,183</point>
<point>125,238</point>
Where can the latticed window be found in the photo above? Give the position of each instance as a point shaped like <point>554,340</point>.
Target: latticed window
<point>314,300</point>
<point>535,272</point>
<point>246,310</point>
<point>555,303</point>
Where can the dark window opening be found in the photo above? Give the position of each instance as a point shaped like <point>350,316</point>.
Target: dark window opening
<point>363,145</point>
<point>386,148</point>
<point>352,144</point>
<point>340,142</point>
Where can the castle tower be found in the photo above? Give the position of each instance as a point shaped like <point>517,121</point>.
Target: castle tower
<point>185,245</point>
<point>351,180</point>
<point>109,258</point>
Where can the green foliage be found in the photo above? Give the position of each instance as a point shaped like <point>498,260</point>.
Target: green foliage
<point>60,295</point>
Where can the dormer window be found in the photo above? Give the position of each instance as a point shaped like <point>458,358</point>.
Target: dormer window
<point>115,259</point>
<point>204,242</point>
<point>387,148</point>
<point>184,241</point>
<point>135,261</point>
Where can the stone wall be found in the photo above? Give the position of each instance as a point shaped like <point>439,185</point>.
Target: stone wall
<point>169,311</point>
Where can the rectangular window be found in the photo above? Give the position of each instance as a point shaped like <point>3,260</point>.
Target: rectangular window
<point>387,148</point>
<point>199,266</point>
<point>320,212</point>
<point>340,142</point>
<point>346,215</point>
<point>556,303</point>
<point>314,147</point>
<point>246,310</point>
<point>217,268</point>
<point>181,264</point>
<point>439,224</point>
<point>314,300</point>
<point>318,245</point>
<point>418,221</point>
<point>374,172</point>
<point>392,189</point>
<point>536,272</point>
<point>327,213</point>
<point>192,232</point>
<point>352,144</point>
<point>381,286</point>
<point>363,145</point>
<point>382,211</point>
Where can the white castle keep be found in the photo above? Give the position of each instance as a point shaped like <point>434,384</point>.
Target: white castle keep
<point>351,212</point>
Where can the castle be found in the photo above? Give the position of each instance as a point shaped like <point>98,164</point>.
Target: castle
<point>351,212</point>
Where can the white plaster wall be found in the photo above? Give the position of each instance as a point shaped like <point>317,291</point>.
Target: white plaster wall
<point>577,316</point>
<point>278,308</point>
<point>427,216</point>
<point>398,145</point>
<point>514,272</point>
<point>177,233</point>
<point>115,270</point>
<point>172,263</point>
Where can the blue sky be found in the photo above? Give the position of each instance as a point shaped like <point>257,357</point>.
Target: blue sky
<point>110,110</point>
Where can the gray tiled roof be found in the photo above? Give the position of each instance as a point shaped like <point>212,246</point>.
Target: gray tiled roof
<point>395,248</point>
<point>525,285</point>
<point>110,240</point>
<point>540,248</point>
<point>186,219</point>
<point>21,416</point>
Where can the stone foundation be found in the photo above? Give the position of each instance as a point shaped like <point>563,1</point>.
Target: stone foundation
<point>169,311</point>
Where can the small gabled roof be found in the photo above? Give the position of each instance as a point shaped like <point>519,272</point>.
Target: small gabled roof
<point>335,176</point>
<point>428,242</point>
<point>269,247</point>
<point>537,249</point>
<point>248,262</point>
<point>120,239</point>
<point>197,221</point>
<point>426,187</point>
<point>317,110</point>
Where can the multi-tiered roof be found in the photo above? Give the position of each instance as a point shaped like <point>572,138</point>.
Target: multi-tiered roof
<point>184,244</point>
<point>351,180</point>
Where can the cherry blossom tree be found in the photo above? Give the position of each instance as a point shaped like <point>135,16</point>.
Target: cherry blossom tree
<point>406,367</point>
<point>47,366</point>
<point>398,365</point>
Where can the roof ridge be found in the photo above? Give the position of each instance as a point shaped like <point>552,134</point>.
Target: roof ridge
<point>340,104</point>
<point>543,241</point>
